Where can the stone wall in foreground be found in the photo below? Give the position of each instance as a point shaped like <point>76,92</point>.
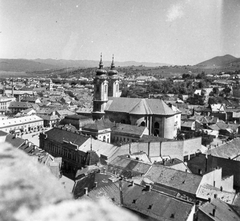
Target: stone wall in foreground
<point>28,191</point>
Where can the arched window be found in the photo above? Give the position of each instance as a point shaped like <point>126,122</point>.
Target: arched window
<point>104,139</point>
<point>143,124</point>
<point>105,88</point>
<point>156,125</point>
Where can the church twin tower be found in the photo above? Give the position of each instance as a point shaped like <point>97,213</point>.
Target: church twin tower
<point>106,84</point>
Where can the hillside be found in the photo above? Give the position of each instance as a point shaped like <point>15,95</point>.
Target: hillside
<point>220,62</point>
<point>24,65</point>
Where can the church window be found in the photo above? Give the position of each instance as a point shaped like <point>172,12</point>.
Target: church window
<point>156,125</point>
<point>97,89</point>
<point>105,88</point>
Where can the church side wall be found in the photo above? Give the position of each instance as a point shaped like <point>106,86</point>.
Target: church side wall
<point>168,127</point>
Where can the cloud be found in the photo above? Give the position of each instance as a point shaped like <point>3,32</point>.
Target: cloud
<point>175,12</point>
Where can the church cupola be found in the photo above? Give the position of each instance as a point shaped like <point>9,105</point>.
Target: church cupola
<point>100,71</point>
<point>112,71</point>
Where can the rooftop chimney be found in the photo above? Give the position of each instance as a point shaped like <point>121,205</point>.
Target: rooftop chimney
<point>148,187</point>
<point>213,212</point>
<point>86,190</point>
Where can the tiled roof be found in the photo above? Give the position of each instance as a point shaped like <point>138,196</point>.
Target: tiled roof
<point>187,123</point>
<point>176,179</point>
<point>128,129</point>
<point>15,104</point>
<point>151,138</point>
<point>206,191</point>
<point>2,133</point>
<point>78,116</point>
<point>14,141</point>
<point>222,211</point>
<point>99,125</point>
<point>154,204</point>
<point>109,191</point>
<point>60,135</point>
<point>92,158</point>
<point>128,167</point>
<point>228,150</point>
<point>139,106</point>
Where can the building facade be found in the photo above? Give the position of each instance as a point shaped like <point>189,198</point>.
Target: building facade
<point>24,124</point>
<point>160,119</point>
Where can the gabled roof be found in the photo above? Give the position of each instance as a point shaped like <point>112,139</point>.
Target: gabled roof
<point>61,135</point>
<point>128,167</point>
<point>110,192</point>
<point>99,125</point>
<point>222,211</point>
<point>176,179</point>
<point>14,141</point>
<point>206,191</point>
<point>231,149</point>
<point>154,204</point>
<point>2,133</point>
<point>139,106</point>
<point>128,129</point>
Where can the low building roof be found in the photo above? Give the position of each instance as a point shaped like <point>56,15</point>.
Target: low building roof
<point>128,167</point>
<point>14,141</point>
<point>206,191</point>
<point>222,211</point>
<point>176,179</point>
<point>61,135</point>
<point>228,150</point>
<point>128,129</point>
<point>139,199</point>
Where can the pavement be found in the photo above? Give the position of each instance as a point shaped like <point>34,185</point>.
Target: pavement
<point>32,137</point>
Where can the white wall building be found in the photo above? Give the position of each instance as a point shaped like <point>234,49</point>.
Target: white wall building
<point>25,124</point>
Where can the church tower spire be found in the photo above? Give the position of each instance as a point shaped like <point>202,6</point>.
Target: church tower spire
<point>112,64</point>
<point>113,89</point>
<point>100,97</point>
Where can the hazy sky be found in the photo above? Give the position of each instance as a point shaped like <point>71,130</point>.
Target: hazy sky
<point>166,31</point>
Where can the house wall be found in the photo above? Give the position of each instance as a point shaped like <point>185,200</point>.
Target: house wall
<point>170,130</point>
<point>138,119</point>
<point>72,158</point>
<point>105,137</point>
<point>203,216</point>
<point>229,167</point>
<point>227,184</point>
<point>213,178</point>
<point>191,146</point>
<point>191,214</point>
<point>178,120</point>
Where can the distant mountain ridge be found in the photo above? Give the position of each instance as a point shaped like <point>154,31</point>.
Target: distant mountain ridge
<point>21,65</point>
<point>220,62</point>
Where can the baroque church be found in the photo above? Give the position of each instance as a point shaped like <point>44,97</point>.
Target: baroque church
<point>160,119</point>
